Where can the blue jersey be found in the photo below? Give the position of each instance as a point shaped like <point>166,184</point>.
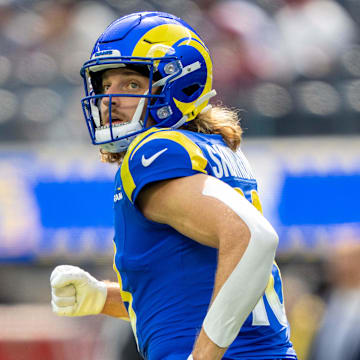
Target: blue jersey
<point>167,279</point>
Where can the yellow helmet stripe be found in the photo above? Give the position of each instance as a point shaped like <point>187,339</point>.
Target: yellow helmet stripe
<point>158,41</point>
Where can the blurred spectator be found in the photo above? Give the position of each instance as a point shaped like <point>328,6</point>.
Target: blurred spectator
<point>339,335</point>
<point>244,43</point>
<point>46,42</point>
<point>304,309</point>
<point>315,33</point>
<point>261,49</point>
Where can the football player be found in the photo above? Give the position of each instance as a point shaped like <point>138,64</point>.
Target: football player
<point>193,253</point>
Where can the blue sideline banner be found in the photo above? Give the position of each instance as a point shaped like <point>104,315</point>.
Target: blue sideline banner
<point>59,203</point>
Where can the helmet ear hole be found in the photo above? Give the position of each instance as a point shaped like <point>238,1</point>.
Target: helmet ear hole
<point>96,81</point>
<point>190,90</point>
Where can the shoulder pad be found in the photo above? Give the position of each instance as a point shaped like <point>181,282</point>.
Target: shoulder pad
<point>159,154</point>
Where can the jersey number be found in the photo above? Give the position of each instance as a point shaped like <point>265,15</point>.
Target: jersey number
<point>260,316</point>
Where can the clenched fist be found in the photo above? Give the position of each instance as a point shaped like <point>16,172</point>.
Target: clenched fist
<point>74,292</point>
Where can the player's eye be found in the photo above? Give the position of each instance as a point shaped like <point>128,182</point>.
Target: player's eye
<point>133,85</point>
<point>106,87</point>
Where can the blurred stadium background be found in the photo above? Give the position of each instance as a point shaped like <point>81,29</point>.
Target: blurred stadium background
<point>291,66</point>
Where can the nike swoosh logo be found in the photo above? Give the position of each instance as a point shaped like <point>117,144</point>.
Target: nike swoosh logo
<point>146,162</point>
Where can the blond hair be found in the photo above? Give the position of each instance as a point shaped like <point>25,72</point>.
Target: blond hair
<point>218,120</point>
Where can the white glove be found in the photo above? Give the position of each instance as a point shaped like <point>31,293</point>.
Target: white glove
<point>74,292</point>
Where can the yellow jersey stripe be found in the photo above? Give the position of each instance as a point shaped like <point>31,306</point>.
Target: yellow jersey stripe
<point>126,177</point>
<point>126,297</point>
<point>197,158</point>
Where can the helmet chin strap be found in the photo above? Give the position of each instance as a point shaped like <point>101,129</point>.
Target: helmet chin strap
<point>197,103</point>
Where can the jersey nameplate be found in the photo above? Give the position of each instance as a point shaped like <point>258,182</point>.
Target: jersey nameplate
<point>226,162</point>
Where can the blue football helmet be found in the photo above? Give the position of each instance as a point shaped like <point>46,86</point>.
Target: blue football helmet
<point>165,49</point>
